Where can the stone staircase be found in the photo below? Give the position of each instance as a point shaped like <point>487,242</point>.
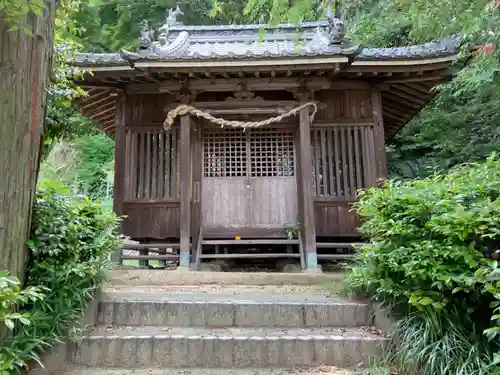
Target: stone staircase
<point>216,328</point>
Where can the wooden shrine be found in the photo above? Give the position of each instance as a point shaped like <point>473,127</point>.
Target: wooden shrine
<point>288,182</point>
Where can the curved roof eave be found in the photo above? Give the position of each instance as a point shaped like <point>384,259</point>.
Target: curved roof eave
<point>223,53</point>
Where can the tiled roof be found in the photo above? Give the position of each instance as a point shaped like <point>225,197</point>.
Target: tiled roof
<point>97,59</point>
<point>310,39</point>
<point>444,47</point>
<point>250,32</point>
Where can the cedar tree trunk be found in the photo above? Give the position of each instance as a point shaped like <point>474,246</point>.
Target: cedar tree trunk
<point>25,62</point>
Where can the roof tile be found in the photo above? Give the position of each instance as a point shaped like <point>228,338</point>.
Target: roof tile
<point>245,42</point>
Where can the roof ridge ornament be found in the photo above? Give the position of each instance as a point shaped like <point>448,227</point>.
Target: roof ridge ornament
<point>162,47</point>
<point>147,36</point>
<point>170,20</point>
<point>336,26</point>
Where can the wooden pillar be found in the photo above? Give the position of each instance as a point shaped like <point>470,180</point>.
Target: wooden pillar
<point>306,194</point>
<point>196,218</point>
<point>120,154</point>
<point>185,190</point>
<point>379,138</point>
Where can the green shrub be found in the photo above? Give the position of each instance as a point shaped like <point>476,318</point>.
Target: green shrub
<point>71,239</point>
<point>431,243</point>
<point>12,297</point>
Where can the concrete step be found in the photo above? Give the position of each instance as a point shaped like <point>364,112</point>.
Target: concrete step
<point>152,346</point>
<point>140,277</point>
<point>219,310</point>
<point>205,371</point>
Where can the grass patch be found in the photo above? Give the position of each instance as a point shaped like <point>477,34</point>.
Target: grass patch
<point>430,342</point>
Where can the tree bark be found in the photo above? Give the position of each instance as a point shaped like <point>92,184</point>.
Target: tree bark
<point>25,62</point>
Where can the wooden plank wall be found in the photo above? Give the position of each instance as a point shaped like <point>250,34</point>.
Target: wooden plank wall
<point>342,141</point>
<point>346,153</point>
<point>151,187</point>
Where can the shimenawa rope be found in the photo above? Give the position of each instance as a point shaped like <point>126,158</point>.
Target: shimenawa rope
<point>184,109</point>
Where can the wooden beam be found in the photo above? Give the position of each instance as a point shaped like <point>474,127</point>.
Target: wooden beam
<point>107,118</point>
<point>402,116</point>
<point>100,116</point>
<point>394,117</point>
<point>108,122</point>
<point>240,65</point>
<point>422,88</point>
<point>99,112</point>
<point>97,83</point>
<point>93,91</point>
<point>91,98</point>
<point>246,103</point>
<point>412,92</point>
<point>397,92</point>
<point>185,190</point>
<point>418,90</point>
<point>252,84</point>
<point>400,101</point>
<point>106,126</point>
<point>247,111</point>
<point>306,196</point>
<point>403,104</point>
<point>435,78</point>
<point>97,103</point>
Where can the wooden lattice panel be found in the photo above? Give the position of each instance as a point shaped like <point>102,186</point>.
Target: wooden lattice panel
<point>224,153</point>
<point>272,153</point>
<point>152,165</point>
<point>343,160</point>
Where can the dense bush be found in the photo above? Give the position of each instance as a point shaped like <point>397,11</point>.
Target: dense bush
<point>12,297</point>
<point>71,239</point>
<point>432,244</point>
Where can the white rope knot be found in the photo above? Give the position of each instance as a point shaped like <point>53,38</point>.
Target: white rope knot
<point>184,109</point>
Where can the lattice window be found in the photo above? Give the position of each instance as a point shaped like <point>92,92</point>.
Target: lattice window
<point>342,158</point>
<point>152,164</point>
<point>272,153</point>
<point>224,153</point>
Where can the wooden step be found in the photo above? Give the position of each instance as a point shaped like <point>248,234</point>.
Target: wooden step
<point>151,257</point>
<point>337,245</point>
<point>133,246</point>
<point>335,256</point>
<point>249,255</point>
<point>251,242</point>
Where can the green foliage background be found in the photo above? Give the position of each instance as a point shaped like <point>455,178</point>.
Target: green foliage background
<point>459,125</point>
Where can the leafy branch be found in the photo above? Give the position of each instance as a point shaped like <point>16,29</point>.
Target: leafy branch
<point>14,12</point>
